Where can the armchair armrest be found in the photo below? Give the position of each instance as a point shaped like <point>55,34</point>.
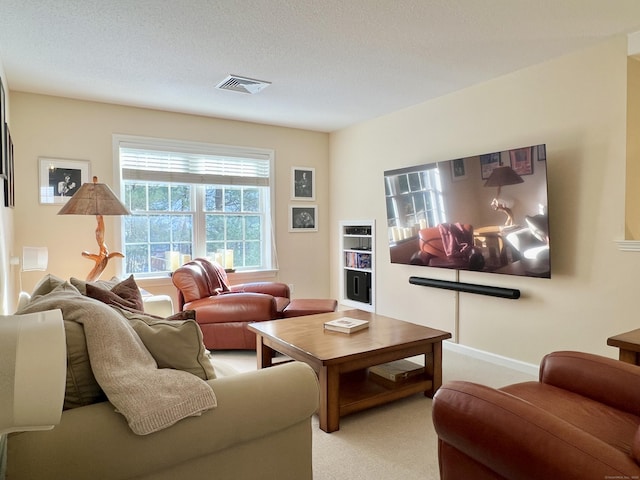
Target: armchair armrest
<point>236,307</point>
<point>516,439</point>
<point>276,289</point>
<point>605,380</point>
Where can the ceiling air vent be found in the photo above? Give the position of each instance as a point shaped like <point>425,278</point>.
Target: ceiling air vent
<point>242,84</point>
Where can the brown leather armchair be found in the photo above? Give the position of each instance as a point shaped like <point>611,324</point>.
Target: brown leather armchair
<point>448,245</point>
<point>223,311</point>
<point>579,421</point>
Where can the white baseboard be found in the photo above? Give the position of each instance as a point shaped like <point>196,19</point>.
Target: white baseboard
<point>507,362</point>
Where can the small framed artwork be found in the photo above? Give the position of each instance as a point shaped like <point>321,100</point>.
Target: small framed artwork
<point>3,138</point>
<point>488,163</point>
<point>60,179</point>
<point>303,218</point>
<point>458,170</point>
<point>303,183</point>
<point>521,160</point>
<point>9,180</point>
<point>542,152</point>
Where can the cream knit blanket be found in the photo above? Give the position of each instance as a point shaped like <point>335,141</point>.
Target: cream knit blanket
<point>149,398</point>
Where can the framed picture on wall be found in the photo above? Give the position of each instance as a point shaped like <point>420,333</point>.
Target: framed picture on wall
<point>60,179</point>
<point>3,139</point>
<point>303,183</point>
<point>9,180</point>
<point>522,160</point>
<point>303,218</point>
<point>488,163</point>
<point>458,170</point>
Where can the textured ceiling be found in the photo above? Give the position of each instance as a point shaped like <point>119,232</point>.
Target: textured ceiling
<point>332,63</point>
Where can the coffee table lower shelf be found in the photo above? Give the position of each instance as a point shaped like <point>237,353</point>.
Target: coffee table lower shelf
<point>359,392</point>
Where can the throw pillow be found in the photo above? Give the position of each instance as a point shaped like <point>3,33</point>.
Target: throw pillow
<point>81,285</point>
<point>124,294</point>
<point>81,385</point>
<point>173,344</point>
<point>48,284</point>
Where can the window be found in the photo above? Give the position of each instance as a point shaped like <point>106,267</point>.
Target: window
<point>194,200</point>
<point>414,199</point>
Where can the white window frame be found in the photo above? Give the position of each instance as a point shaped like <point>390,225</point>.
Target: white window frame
<point>134,141</point>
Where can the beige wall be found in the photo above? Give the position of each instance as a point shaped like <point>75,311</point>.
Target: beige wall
<point>71,129</point>
<point>577,106</point>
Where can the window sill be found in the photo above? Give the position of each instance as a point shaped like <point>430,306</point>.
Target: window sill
<point>628,245</point>
<point>234,278</point>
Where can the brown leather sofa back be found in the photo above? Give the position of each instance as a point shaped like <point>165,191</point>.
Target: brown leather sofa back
<point>191,282</point>
<point>199,279</point>
<point>575,372</point>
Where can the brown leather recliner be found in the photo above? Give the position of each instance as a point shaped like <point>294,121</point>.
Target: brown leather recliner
<point>448,245</point>
<point>579,421</point>
<point>223,311</point>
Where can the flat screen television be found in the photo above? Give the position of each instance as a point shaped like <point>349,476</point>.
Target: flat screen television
<point>484,213</point>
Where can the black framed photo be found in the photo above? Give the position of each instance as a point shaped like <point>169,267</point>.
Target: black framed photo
<point>303,218</point>
<point>458,170</point>
<point>60,179</point>
<point>303,183</point>
<point>542,153</point>
<point>488,163</point>
<point>9,180</point>
<point>3,138</point>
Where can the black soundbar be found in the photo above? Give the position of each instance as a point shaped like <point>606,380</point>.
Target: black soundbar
<point>511,293</point>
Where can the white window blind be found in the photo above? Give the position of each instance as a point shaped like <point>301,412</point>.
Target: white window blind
<point>148,164</point>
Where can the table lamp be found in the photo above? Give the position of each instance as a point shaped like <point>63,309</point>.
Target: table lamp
<point>33,361</point>
<point>96,199</point>
<point>499,177</point>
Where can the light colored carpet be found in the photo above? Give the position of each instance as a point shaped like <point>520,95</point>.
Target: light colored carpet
<point>394,441</point>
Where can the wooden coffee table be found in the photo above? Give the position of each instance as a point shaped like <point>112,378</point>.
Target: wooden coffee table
<point>341,360</point>
<point>629,345</point>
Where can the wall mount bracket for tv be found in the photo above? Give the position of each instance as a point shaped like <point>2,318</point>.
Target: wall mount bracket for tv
<point>510,293</point>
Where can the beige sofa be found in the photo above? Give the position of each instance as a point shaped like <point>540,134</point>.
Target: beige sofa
<point>259,429</point>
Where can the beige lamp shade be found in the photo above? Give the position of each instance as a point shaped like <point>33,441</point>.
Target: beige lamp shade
<point>503,176</point>
<point>33,361</point>
<point>94,199</point>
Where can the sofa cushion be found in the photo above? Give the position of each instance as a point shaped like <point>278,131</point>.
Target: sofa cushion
<point>48,284</point>
<point>173,343</point>
<point>81,285</point>
<point>81,386</point>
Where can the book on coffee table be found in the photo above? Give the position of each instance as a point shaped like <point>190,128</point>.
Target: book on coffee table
<point>396,371</point>
<point>346,325</point>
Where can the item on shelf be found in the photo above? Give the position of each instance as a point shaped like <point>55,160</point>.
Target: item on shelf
<point>363,260</point>
<point>357,260</point>
<point>396,371</point>
<point>364,230</point>
<point>346,325</point>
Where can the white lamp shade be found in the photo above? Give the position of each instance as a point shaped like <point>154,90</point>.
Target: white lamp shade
<point>34,258</point>
<point>33,363</point>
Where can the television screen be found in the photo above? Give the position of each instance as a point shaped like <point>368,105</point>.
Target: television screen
<point>484,213</point>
